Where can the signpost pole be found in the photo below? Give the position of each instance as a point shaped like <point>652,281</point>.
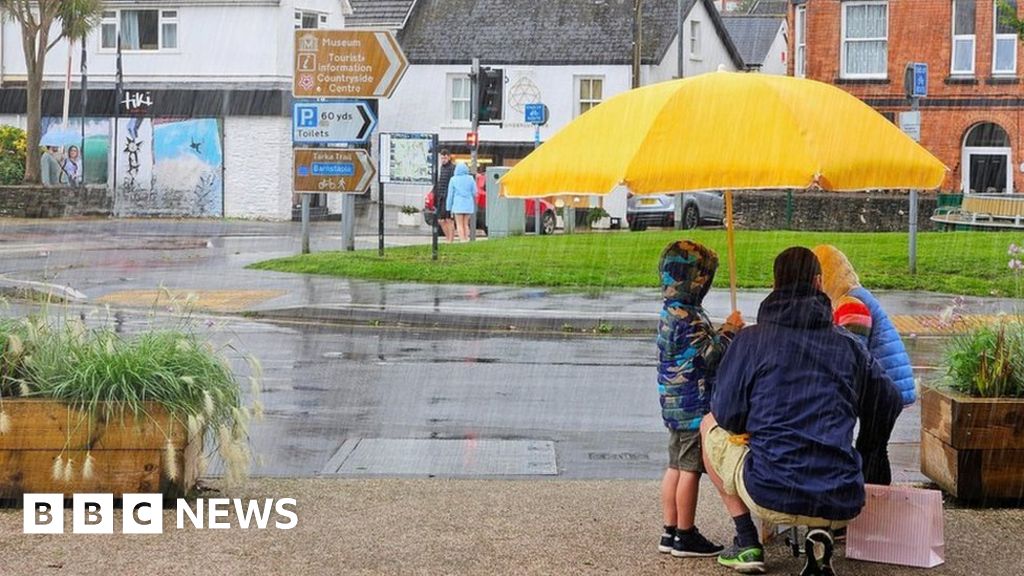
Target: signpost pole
<point>433,178</point>
<point>348,222</point>
<point>380,222</point>
<point>912,249</point>
<point>536,201</point>
<point>915,82</point>
<point>305,223</point>
<point>474,149</point>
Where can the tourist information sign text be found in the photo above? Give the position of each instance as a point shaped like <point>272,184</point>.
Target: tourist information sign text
<point>347,64</point>
<point>326,170</point>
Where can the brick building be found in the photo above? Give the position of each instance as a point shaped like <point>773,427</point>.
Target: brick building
<point>971,119</point>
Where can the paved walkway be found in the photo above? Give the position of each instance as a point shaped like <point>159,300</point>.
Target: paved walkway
<point>464,527</point>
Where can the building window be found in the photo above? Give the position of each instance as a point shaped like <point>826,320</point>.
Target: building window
<point>865,34</point>
<point>589,93</point>
<point>963,37</point>
<point>800,63</point>
<point>308,20</point>
<point>143,30</point>
<point>461,98</point>
<point>695,40</point>
<point>1004,52</point>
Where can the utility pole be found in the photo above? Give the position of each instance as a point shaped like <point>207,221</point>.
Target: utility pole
<point>637,40</point>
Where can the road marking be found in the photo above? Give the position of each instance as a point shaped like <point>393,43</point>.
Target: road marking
<point>209,300</point>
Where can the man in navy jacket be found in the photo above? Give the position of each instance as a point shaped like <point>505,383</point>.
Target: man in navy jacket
<point>779,439</point>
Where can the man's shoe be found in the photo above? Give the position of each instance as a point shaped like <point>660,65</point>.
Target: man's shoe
<point>694,545</point>
<point>667,540</point>
<point>749,560</point>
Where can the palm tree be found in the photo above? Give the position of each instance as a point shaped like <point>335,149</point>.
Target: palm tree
<point>36,18</point>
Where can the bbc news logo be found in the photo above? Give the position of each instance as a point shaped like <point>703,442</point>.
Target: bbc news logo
<point>144,514</point>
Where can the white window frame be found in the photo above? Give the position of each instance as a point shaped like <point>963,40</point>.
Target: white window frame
<point>800,42</point>
<point>696,40</point>
<point>843,41</point>
<point>996,37</point>
<point>578,101</point>
<point>161,19</point>
<point>320,17</point>
<point>450,83</point>
<point>955,37</point>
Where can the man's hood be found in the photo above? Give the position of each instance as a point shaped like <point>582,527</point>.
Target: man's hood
<point>687,270</point>
<point>796,306</point>
<point>461,169</point>
<point>837,274</point>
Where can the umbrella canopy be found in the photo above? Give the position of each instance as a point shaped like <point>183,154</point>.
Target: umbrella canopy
<point>726,131</point>
<point>59,135</point>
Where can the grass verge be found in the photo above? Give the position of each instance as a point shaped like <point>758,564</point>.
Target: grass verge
<point>970,263</point>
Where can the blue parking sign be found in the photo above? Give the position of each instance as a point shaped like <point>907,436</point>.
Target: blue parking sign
<point>306,116</point>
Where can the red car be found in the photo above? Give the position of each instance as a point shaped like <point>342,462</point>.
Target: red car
<point>547,215</point>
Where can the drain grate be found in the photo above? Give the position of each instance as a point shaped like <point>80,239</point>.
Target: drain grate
<point>620,456</point>
<point>443,457</point>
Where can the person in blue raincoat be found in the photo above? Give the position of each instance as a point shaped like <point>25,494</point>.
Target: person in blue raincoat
<point>461,199</point>
<point>857,310</point>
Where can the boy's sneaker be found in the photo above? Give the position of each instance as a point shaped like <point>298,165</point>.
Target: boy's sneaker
<point>694,545</point>
<point>667,538</point>
<point>749,560</point>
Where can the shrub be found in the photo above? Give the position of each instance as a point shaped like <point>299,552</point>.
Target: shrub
<point>987,362</point>
<point>102,373</point>
<point>410,209</point>
<point>12,155</point>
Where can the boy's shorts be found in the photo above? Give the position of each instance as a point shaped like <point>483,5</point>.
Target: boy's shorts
<point>726,455</point>
<point>684,451</point>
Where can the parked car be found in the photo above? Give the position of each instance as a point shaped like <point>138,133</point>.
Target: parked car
<point>547,215</point>
<point>659,210</point>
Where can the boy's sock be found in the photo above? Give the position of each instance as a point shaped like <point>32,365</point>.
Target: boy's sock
<point>670,530</point>
<point>746,532</point>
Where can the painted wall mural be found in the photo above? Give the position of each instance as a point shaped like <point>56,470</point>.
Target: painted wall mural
<point>96,151</point>
<point>169,167</point>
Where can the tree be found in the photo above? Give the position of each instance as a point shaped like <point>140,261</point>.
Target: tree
<point>37,18</point>
<point>1008,17</point>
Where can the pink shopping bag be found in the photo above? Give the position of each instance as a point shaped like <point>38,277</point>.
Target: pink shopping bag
<point>898,525</point>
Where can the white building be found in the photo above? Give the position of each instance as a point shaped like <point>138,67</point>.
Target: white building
<point>215,138</point>
<point>569,55</point>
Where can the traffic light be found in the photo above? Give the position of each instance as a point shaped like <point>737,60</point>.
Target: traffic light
<point>490,95</point>
<point>472,139</point>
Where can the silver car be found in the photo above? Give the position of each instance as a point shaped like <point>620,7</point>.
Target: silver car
<point>659,210</point>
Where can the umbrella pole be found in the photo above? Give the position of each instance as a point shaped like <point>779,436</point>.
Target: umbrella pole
<point>731,250</point>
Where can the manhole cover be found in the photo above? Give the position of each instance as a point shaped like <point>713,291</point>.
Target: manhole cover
<point>442,457</point>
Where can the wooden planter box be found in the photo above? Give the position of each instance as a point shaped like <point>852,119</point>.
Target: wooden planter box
<point>973,447</point>
<point>128,454</point>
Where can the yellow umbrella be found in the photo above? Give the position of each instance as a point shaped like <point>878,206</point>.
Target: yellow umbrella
<point>726,131</point>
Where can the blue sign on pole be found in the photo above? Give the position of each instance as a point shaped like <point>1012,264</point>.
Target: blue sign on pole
<point>920,89</point>
<point>333,169</point>
<point>536,114</point>
<point>332,122</point>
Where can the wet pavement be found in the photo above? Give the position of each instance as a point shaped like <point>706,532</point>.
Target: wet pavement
<point>463,372</point>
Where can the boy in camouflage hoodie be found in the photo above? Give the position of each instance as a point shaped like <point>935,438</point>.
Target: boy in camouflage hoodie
<point>689,349</point>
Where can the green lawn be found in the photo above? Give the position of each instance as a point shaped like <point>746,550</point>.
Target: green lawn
<point>952,262</point>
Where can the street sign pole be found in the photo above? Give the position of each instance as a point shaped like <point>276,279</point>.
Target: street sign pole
<point>912,249</point>
<point>348,222</point>
<point>915,83</point>
<point>433,178</point>
<point>473,150</point>
<point>305,223</point>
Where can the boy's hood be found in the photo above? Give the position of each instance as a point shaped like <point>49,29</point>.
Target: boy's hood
<point>837,274</point>
<point>687,270</point>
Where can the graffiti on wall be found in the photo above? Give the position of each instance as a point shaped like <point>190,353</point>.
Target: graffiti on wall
<point>169,167</point>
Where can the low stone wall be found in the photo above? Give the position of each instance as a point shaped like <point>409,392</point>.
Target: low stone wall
<point>831,211</point>
<point>46,202</point>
